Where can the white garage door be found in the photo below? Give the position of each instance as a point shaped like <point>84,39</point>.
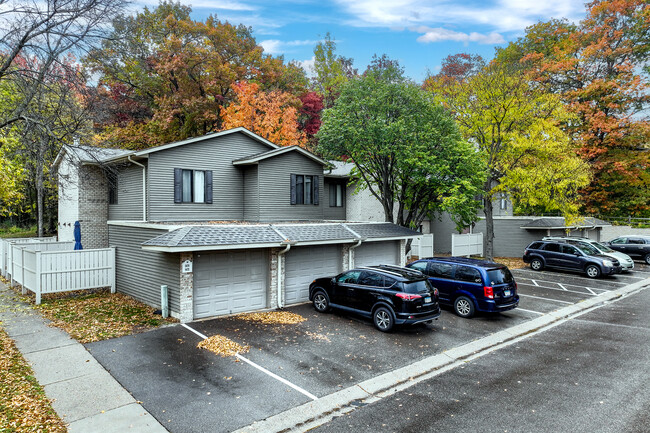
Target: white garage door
<point>304,264</point>
<point>376,253</point>
<point>229,282</point>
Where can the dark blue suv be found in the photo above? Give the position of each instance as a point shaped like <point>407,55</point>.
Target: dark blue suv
<point>470,285</point>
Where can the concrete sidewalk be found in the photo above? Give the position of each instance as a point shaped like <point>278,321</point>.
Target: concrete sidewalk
<point>84,394</point>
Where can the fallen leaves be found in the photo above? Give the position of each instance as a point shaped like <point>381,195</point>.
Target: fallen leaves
<point>273,317</point>
<point>222,346</point>
<point>100,316</point>
<point>23,404</point>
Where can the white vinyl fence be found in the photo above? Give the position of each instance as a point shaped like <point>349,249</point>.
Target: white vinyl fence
<point>5,251</point>
<point>422,246</point>
<point>469,244</point>
<point>43,271</point>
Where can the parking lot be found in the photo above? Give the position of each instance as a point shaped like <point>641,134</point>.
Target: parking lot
<point>189,389</point>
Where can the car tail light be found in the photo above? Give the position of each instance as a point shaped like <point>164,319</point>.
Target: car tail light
<point>436,292</point>
<point>488,292</point>
<point>407,296</point>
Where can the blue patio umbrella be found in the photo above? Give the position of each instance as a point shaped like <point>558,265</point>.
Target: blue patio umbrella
<point>77,236</point>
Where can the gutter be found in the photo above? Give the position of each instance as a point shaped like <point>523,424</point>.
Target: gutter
<point>144,187</point>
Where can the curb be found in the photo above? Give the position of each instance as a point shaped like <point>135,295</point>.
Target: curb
<point>310,413</point>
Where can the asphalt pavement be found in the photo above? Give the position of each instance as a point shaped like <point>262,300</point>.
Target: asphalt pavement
<point>589,374</point>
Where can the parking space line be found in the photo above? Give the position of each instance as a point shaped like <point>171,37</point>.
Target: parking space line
<point>534,282</point>
<point>560,290</point>
<point>592,292</point>
<point>275,376</point>
<point>529,311</point>
<point>546,299</point>
<point>562,287</point>
<point>259,367</point>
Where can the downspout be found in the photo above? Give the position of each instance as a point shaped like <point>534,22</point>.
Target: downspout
<point>280,254</point>
<point>350,253</point>
<point>144,187</point>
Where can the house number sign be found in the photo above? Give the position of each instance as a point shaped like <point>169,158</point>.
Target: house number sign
<point>186,266</point>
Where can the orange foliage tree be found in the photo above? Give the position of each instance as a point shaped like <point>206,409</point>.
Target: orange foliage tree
<point>272,115</point>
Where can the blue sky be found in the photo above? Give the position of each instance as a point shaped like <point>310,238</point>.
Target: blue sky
<point>418,33</point>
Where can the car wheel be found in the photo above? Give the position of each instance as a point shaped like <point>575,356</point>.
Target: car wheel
<point>464,307</point>
<point>647,259</point>
<point>321,302</point>
<point>592,271</point>
<point>383,319</point>
<point>536,264</point>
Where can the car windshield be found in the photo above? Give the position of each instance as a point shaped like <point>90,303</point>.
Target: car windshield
<point>499,276</point>
<point>603,248</point>
<point>587,249</point>
<point>422,286</point>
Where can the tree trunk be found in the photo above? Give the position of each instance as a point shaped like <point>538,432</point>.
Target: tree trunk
<point>488,247</point>
<point>40,190</point>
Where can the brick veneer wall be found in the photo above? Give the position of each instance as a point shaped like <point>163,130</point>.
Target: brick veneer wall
<point>93,207</point>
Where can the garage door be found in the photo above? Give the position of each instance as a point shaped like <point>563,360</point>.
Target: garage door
<point>376,253</point>
<point>229,282</point>
<point>303,264</point>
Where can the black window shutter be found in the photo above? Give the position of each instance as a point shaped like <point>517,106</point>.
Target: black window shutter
<point>208,186</point>
<point>178,185</point>
<point>293,189</point>
<point>315,186</point>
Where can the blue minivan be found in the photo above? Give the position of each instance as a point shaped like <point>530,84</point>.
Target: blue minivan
<point>470,285</point>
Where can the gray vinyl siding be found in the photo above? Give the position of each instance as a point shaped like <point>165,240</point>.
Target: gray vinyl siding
<point>442,228</point>
<point>251,194</point>
<point>129,195</point>
<point>275,188</point>
<point>211,154</point>
<point>332,212</point>
<point>140,273</point>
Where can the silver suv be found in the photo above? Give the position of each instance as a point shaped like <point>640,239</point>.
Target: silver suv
<point>626,261</point>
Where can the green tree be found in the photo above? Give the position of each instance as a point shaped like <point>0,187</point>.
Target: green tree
<point>331,70</point>
<point>517,127</point>
<point>406,149</point>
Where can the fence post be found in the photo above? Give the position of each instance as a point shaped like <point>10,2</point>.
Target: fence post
<point>37,281</point>
<point>112,270</point>
<point>22,270</point>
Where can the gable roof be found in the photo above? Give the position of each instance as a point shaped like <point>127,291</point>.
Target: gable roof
<point>91,154</point>
<point>221,236</point>
<point>240,129</point>
<point>254,159</point>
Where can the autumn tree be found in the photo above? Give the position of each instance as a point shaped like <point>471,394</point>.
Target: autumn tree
<point>179,73</point>
<point>595,67</point>
<point>35,37</point>
<point>309,116</point>
<point>272,115</point>
<point>516,125</point>
<point>406,149</point>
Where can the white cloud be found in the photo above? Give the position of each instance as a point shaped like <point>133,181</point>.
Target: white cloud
<point>275,46</point>
<point>308,65</point>
<point>500,15</point>
<point>440,34</point>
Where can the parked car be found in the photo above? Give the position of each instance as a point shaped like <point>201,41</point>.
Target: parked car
<point>390,295</point>
<point>626,261</point>
<point>561,255</point>
<point>470,285</point>
<point>634,246</point>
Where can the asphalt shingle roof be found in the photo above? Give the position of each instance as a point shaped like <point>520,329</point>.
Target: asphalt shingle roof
<point>551,222</point>
<point>97,154</point>
<point>261,235</point>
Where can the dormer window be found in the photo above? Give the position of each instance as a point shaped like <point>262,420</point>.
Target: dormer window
<point>192,186</point>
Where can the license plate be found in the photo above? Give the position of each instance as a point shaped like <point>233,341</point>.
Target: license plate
<point>427,300</point>
<point>506,293</point>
